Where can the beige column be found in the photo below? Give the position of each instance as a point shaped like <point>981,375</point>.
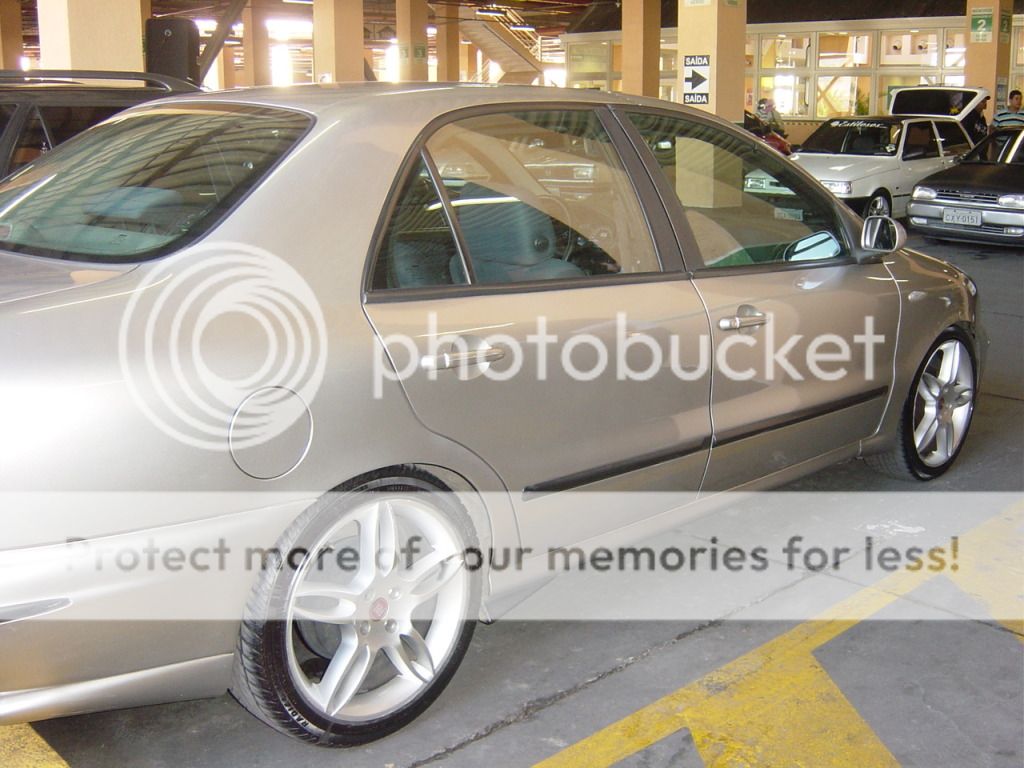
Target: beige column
<point>470,65</point>
<point>449,50</point>
<point>716,29</point>
<point>338,40</point>
<point>256,46</point>
<point>224,66</point>
<point>11,44</point>
<point>92,34</point>
<point>989,40</point>
<point>146,9</point>
<point>411,23</point>
<point>641,46</point>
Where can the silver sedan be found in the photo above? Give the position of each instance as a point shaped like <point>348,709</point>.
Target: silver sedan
<point>288,373</point>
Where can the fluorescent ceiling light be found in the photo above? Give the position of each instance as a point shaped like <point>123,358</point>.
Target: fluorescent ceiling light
<point>522,27</point>
<point>298,2</point>
<point>490,12</point>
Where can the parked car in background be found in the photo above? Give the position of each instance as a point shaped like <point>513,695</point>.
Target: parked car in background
<point>39,109</point>
<point>305,324</point>
<point>963,104</point>
<point>763,131</point>
<point>873,163</point>
<point>980,199</point>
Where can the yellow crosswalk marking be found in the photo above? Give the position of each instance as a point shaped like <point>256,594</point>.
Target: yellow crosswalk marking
<point>22,747</point>
<point>776,705</point>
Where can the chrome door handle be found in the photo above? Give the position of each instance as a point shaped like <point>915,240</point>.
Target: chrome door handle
<point>448,360</point>
<point>743,321</point>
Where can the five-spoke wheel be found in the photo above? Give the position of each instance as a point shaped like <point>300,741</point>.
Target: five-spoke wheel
<point>365,626</point>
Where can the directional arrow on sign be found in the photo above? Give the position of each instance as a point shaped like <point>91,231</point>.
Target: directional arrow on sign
<point>696,79</point>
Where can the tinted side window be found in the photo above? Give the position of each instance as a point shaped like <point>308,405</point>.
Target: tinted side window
<point>744,206</point>
<point>954,140</point>
<point>418,249</point>
<point>32,142</point>
<point>920,142</point>
<point>541,195</point>
<point>65,122</point>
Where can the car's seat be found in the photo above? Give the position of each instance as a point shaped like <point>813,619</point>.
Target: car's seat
<point>508,240</point>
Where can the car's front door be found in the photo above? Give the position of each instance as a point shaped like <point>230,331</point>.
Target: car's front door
<point>551,330</point>
<point>803,334</point>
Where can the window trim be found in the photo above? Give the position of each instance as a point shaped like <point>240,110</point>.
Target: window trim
<point>649,201</point>
<point>698,267</point>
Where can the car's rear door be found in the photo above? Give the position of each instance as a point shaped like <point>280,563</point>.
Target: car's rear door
<point>545,328</point>
<point>803,334</point>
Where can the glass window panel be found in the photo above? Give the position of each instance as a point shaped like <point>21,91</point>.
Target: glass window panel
<point>745,206</point>
<point>910,49</point>
<point>842,49</point>
<point>955,54</point>
<point>669,61</point>
<point>419,248</point>
<point>541,195</point>
<point>785,52</point>
<point>843,95</point>
<point>789,92</point>
<point>1018,46</point>
<point>588,57</point>
<point>750,48</point>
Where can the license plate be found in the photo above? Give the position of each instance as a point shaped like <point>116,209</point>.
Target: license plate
<point>962,217</point>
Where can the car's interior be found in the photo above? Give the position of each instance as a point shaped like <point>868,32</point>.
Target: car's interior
<point>535,197</point>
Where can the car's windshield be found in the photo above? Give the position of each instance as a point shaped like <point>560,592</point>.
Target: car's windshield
<point>1000,147</point>
<point>143,182</point>
<point>854,137</point>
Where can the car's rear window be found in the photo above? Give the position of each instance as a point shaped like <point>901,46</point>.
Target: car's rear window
<point>144,182</point>
<point>931,102</point>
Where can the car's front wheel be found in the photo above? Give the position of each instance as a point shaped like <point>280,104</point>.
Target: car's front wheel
<point>937,413</point>
<point>363,614</point>
<point>879,204</point>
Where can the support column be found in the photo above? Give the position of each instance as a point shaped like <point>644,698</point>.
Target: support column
<point>411,23</point>
<point>989,41</point>
<point>470,68</point>
<point>11,43</point>
<point>641,47</point>
<point>716,29</point>
<point>224,66</point>
<point>256,44</point>
<point>99,34</point>
<point>338,41</point>
<point>448,49</point>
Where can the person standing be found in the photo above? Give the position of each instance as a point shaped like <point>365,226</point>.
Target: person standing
<point>975,123</point>
<point>1012,116</point>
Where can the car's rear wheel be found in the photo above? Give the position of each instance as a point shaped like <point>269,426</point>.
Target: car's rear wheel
<point>879,204</point>
<point>937,414</point>
<point>365,627</point>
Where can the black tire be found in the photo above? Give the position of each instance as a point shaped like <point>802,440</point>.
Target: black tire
<point>879,204</point>
<point>273,685</point>
<point>916,457</point>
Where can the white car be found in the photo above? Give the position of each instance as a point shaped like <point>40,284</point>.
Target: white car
<point>873,163</point>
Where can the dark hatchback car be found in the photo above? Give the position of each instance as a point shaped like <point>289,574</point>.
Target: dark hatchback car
<point>981,199</point>
<point>43,108</point>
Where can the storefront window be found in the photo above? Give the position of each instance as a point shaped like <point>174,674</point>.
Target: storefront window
<point>1018,46</point>
<point>886,85</point>
<point>910,49</point>
<point>748,93</point>
<point>586,58</point>
<point>843,95</point>
<point>785,52</point>
<point>749,51</point>
<point>843,49</point>
<point>789,92</point>
<point>956,49</point>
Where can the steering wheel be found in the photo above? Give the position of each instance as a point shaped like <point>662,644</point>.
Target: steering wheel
<point>561,220</point>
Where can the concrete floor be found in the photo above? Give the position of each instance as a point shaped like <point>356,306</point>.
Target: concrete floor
<point>942,687</point>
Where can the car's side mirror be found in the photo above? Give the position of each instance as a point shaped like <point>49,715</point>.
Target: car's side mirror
<point>882,235</point>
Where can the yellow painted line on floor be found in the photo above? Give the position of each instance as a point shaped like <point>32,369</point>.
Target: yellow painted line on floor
<point>776,705</point>
<point>22,747</point>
